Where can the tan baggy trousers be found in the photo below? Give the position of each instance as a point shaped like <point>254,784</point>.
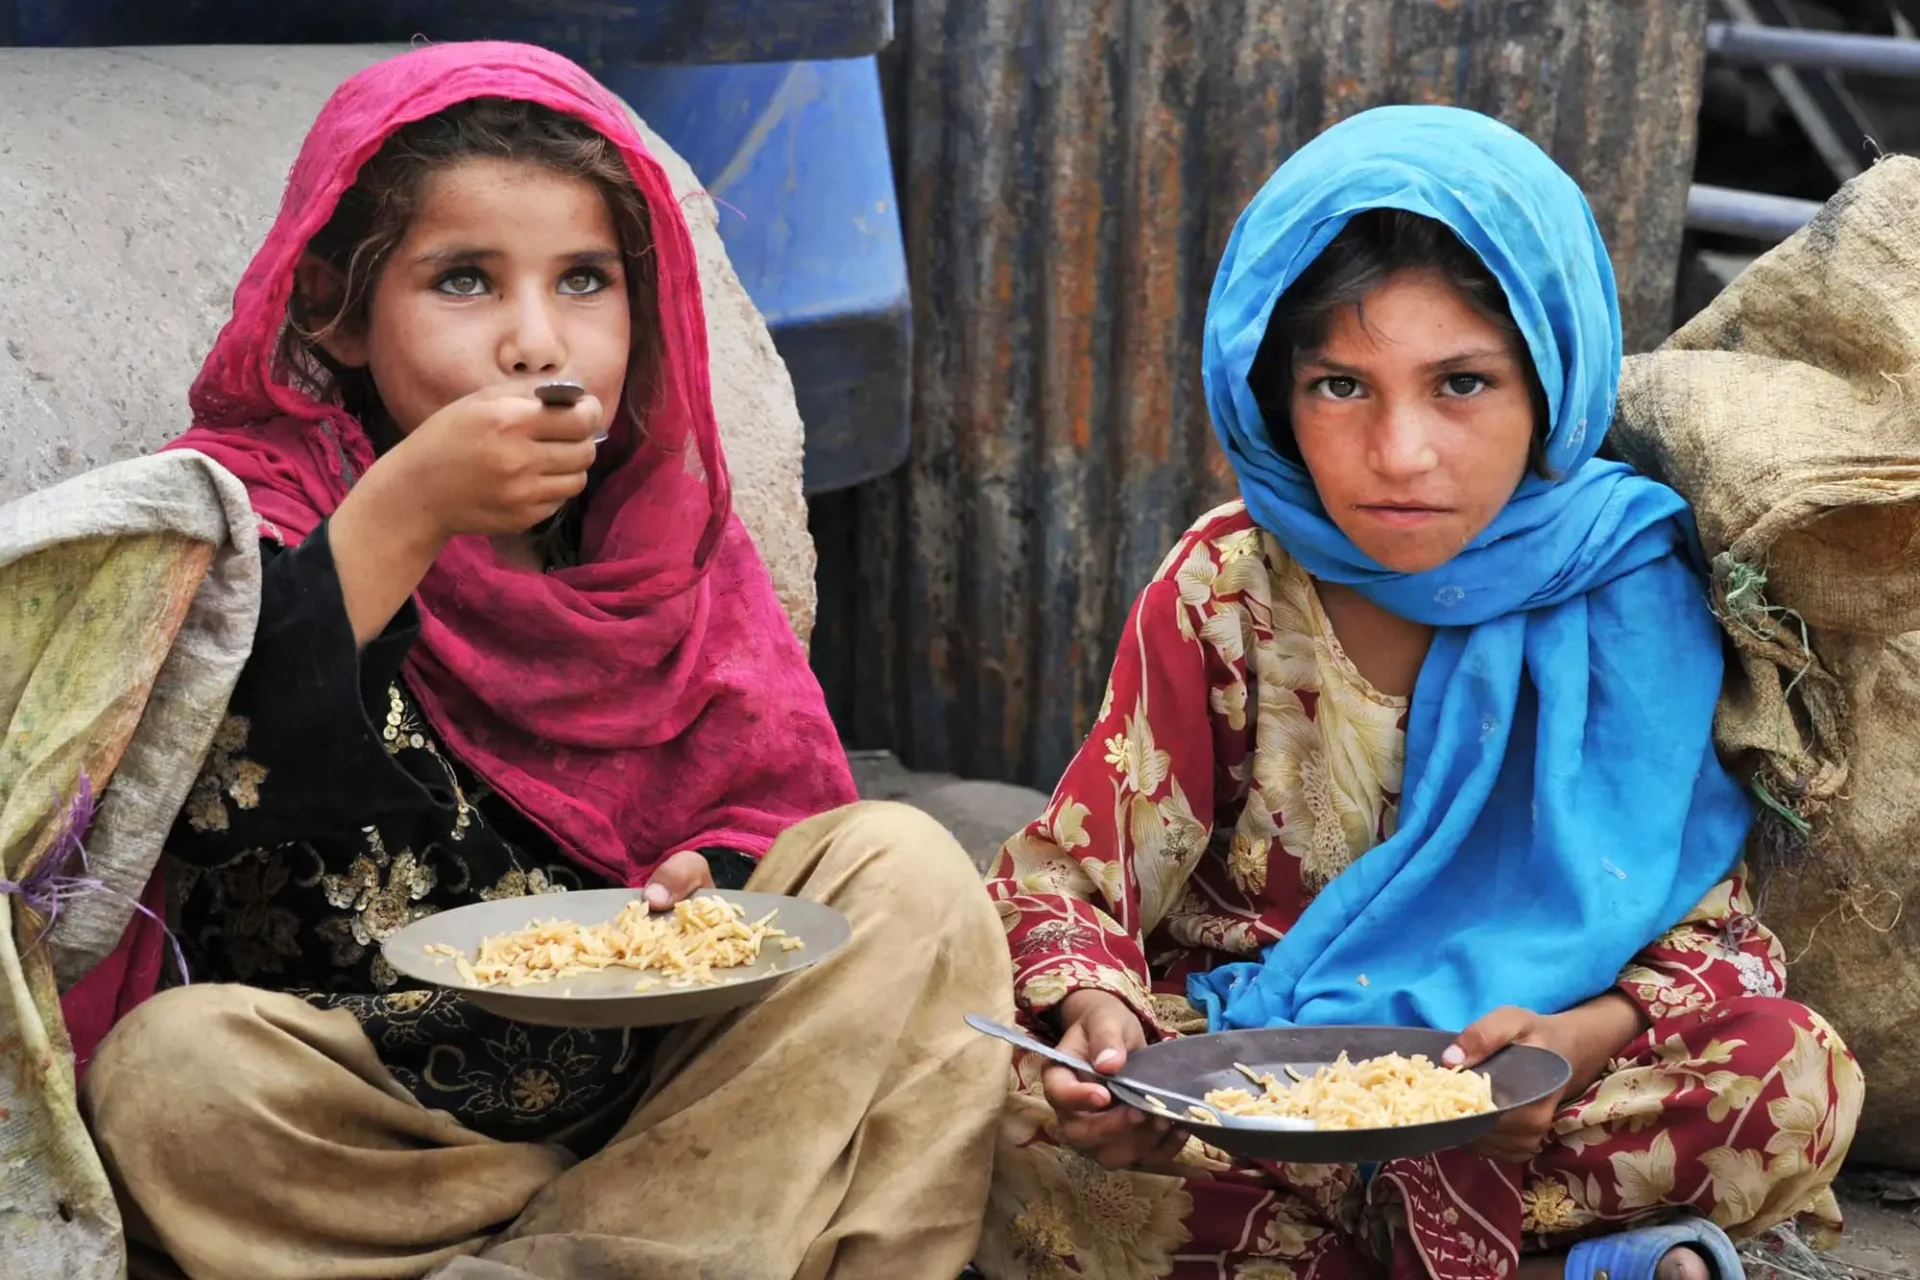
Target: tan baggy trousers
<point>843,1128</point>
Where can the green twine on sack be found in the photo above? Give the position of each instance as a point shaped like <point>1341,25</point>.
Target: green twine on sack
<point>1780,808</point>
<point>1744,604</point>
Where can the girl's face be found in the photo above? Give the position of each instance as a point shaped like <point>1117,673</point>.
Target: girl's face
<point>1414,420</point>
<point>510,272</point>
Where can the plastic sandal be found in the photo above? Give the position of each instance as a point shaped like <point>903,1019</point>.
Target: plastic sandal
<point>1635,1254</point>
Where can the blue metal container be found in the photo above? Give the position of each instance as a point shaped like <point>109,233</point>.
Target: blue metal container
<point>795,154</point>
<point>591,32</point>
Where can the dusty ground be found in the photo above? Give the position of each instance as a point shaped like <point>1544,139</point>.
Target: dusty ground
<point>1883,1214</point>
<point>1883,1239</point>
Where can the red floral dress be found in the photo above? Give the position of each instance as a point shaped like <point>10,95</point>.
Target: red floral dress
<point>1240,762</point>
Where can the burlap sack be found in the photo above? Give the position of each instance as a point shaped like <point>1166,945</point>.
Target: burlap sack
<point>1788,414</point>
<point>1786,411</point>
<point>1848,912</point>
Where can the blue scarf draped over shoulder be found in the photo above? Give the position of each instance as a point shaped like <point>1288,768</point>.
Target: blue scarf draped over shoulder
<point>1562,804</point>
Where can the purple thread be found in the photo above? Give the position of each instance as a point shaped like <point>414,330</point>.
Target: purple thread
<point>48,884</point>
<point>724,204</point>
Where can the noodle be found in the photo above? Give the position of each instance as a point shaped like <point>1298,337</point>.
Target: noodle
<point>701,935</point>
<point>1376,1093</point>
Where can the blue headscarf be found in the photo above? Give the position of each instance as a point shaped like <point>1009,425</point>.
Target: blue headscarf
<point>1562,805</point>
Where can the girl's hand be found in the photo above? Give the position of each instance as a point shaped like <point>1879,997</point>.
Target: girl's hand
<point>1588,1036</point>
<point>1101,1029</point>
<point>1521,1135</point>
<point>680,876</point>
<point>497,461</point>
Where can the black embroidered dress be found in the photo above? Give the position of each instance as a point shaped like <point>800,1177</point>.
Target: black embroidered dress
<point>328,816</point>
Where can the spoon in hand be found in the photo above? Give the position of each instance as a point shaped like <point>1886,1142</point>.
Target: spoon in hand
<point>563,395</point>
<point>1152,1093</point>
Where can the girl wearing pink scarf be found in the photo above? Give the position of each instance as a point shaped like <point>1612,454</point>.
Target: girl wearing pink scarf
<point>498,655</point>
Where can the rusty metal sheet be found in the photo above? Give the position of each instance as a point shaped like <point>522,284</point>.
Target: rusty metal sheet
<point>1071,170</point>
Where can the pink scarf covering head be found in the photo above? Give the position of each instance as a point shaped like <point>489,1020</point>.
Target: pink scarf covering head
<point>651,699</point>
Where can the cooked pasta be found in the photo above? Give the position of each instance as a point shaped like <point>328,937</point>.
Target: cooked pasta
<point>685,947</point>
<point>1376,1093</point>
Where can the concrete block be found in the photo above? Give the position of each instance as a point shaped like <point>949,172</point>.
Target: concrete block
<point>981,815</point>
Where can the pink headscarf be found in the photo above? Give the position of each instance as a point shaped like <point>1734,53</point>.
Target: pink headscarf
<point>651,699</point>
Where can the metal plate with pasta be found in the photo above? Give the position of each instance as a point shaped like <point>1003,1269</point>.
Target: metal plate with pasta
<point>446,950</point>
<point>1206,1065</point>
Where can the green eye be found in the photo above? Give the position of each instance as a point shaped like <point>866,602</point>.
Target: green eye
<point>583,281</point>
<point>464,283</point>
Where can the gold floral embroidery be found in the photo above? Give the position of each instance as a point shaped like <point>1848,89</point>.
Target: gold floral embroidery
<point>533,1089</point>
<point>404,727</point>
<point>378,893</point>
<point>526,1080</point>
<point>1548,1207</point>
<point>225,776</point>
<point>407,730</point>
<point>256,934</point>
<point>519,883</point>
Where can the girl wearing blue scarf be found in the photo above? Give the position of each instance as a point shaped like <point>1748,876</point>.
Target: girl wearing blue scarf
<point>1417,733</point>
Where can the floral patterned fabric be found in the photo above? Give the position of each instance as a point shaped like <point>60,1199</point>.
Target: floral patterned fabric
<point>1239,763</point>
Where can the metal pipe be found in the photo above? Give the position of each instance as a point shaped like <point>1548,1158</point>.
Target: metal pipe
<point>1795,47</point>
<point>1753,214</point>
<point>1827,114</point>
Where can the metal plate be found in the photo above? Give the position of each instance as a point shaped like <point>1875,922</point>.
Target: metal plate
<point>1197,1065</point>
<point>607,998</point>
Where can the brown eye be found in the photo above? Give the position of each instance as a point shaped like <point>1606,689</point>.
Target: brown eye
<point>1338,388</point>
<point>1465,384</point>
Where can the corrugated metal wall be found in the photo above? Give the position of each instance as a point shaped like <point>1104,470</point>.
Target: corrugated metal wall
<point>1070,171</point>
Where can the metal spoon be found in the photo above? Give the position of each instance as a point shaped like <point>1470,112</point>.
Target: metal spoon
<point>564,395</point>
<point>1020,1040</point>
